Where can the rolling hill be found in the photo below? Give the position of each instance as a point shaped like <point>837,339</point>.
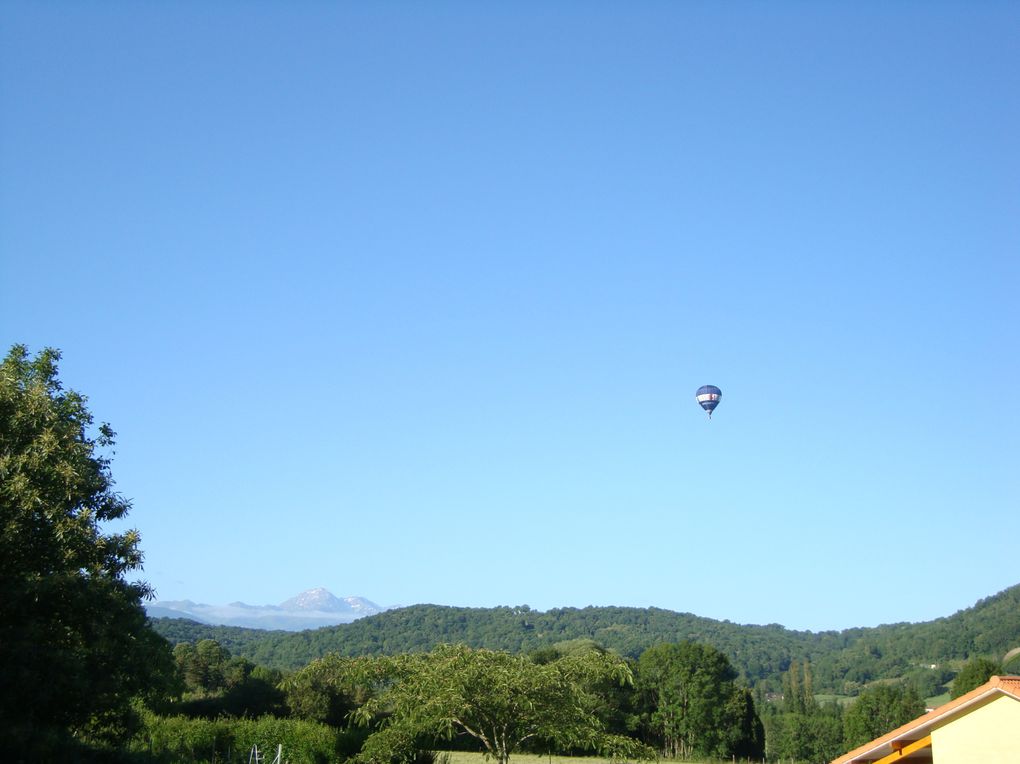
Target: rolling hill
<point>842,661</point>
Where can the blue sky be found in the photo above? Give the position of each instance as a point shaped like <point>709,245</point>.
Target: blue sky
<point>410,300</point>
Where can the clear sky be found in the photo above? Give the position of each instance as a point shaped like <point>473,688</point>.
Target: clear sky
<point>410,300</point>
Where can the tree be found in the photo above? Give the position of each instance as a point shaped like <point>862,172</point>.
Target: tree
<point>206,667</point>
<point>188,667</point>
<point>689,699</point>
<point>213,660</point>
<point>815,737</point>
<point>974,673</point>
<point>929,680</point>
<point>798,690</point>
<point>327,690</point>
<point>501,700</point>
<point>878,710</point>
<point>74,642</point>
<point>744,732</point>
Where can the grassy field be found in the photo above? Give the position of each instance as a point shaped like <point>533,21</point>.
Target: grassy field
<point>461,757</point>
<point>843,700</point>
<point>937,700</point>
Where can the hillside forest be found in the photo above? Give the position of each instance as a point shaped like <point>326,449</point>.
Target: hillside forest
<point>804,696</point>
<point>842,662</point>
<point>88,677</point>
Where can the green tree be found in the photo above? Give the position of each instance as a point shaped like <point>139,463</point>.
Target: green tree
<point>688,696</point>
<point>792,696</point>
<point>501,700</point>
<point>188,666</point>
<point>974,673</point>
<point>816,737</point>
<point>75,647</point>
<point>616,707</point>
<point>327,690</point>
<point>744,732</point>
<point>798,689</point>
<point>250,691</point>
<point>880,709</point>
<point>220,685</point>
<point>929,681</point>
<point>237,671</point>
<point>207,667</point>
<point>212,659</point>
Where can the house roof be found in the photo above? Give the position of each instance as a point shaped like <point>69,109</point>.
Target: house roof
<point>923,725</point>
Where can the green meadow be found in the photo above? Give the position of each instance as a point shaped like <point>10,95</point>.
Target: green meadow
<point>463,757</point>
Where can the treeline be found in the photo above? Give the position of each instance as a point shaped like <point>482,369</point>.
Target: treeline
<point>758,652</point>
<point>676,701</point>
<point>843,662</point>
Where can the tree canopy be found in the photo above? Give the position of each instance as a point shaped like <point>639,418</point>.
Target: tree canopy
<point>693,705</point>
<point>503,701</point>
<point>74,643</point>
<point>878,710</point>
<point>974,673</point>
<point>842,662</point>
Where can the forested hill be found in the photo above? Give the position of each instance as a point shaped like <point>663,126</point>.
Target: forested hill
<point>841,661</point>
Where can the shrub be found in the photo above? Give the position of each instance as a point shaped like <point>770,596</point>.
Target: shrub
<point>180,739</point>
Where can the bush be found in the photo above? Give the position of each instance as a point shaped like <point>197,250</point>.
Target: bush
<point>180,739</point>
<point>974,673</point>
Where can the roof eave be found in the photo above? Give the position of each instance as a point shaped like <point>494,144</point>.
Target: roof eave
<point>922,725</point>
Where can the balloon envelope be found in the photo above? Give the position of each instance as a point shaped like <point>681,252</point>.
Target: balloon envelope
<point>708,396</point>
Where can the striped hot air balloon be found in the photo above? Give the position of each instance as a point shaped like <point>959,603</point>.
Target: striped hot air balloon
<point>708,396</point>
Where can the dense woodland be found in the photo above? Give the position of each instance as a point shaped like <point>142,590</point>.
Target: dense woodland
<point>762,692</point>
<point>87,677</point>
<point>843,662</point>
<point>676,700</point>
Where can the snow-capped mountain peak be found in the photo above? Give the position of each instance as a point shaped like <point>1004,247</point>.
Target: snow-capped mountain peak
<point>310,609</point>
<point>317,599</point>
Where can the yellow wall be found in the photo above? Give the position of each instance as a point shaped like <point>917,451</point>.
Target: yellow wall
<point>988,734</point>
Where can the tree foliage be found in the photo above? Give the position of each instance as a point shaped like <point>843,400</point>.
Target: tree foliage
<point>216,683</point>
<point>974,673</point>
<point>842,662</point>
<point>693,706</point>
<point>798,689</point>
<point>799,728</point>
<point>503,701</point>
<point>223,739</point>
<point>74,644</point>
<point>815,737</point>
<point>330,689</point>
<point>878,710</point>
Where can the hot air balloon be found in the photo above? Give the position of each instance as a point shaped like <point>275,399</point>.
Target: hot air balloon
<point>708,396</point>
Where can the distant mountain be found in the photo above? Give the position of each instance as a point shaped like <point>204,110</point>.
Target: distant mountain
<point>312,609</point>
<point>322,601</point>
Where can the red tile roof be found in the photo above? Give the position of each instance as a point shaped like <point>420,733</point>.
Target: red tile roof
<point>922,725</point>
